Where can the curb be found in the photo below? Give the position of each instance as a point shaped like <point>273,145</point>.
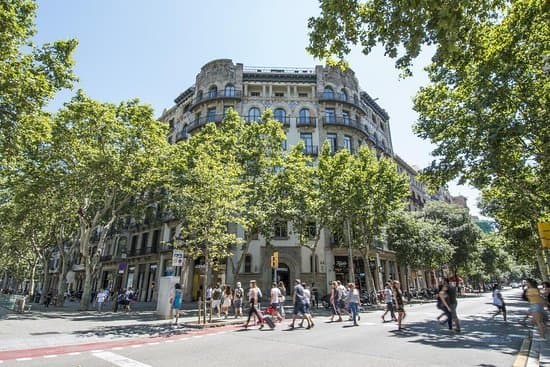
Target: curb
<point>524,352</point>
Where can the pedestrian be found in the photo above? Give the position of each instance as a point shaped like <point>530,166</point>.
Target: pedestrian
<point>217,299</point>
<point>388,295</point>
<point>275,296</point>
<point>176,300</point>
<point>546,294</point>
<point>227,299</point>
<point>400,307</point>
<point>439,303</point>
<point>100,298</point>
<point>282,299</point>
<point>238,300</point>
<point>353,300</point>
<point>298,301</point>
<point>453,302</point>
<point>498,301</point>
<point>443,300</point>
<point>48,299</point>
<point>129,298</point>
<point>536,305</point>
<point>341,289</point>
<point>334,310</point>
<point>253,300</point>
<point>307,306</point>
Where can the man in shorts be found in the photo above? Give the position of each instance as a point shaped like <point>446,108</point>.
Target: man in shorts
<point>298,299</point>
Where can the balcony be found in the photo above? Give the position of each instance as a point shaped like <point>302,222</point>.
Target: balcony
<point>204,120</point>
<point>283,120</point>
<point>311,150</point>
<point>338,97</point>
<point>344,121</point>
<point>306,122</point>
<point>222,94</point>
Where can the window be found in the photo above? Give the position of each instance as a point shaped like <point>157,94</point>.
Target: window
<point>133,246</point>
<point>313,263</point>
<point>280,229</point>
<point>346,118</point>
<point>347,143</point>
<point>248,263</point>
<point>212,92</point>
<point>308,142</point>
<point>304,116</point>
<point>330,115</point>
<point>156,240</point>
<point>229,90</point>
<point>331,137</point>
<point>329,92</point>
<point>280,115</point>
<point>211,114</point>
<point>303,95</point>
<point>343,95</point>
<point>254,94</point>
<point>279,94</point>
<point>311,230</point>
<point>144,239</point>
<point>254,114</point>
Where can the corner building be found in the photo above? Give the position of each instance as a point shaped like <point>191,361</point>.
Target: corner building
<point>314,105</point>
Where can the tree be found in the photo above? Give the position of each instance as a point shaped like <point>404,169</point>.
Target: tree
<point>362,192</point>
<point>418,242</point>
<point>459,230</point>
<point>29,77</point>
<point>206,193</point>
<point>486,105</point>
<point>109,159</point>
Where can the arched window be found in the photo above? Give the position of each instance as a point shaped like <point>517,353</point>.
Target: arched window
<point>280,115</point>
<point>304,116</point>
<point>229,90</point>
<point>254,114</point>
<point>248,263</point>
<point>329,92</point>
<point>212,92</point>
<point>343,95</point>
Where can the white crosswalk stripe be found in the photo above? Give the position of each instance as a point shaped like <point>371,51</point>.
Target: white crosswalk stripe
<point>118,360</point>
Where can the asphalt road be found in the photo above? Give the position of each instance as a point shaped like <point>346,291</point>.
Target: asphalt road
<point>483,342</point>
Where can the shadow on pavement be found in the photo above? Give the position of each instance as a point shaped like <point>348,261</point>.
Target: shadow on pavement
<point>133,331</point>
<point>480,333</point>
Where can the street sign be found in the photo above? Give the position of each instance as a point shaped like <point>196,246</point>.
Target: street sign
<point>177,258</point>
<point>544,233</point>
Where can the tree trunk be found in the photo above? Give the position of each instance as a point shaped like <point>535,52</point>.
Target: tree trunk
<point>368,274</point>
<point>87,288</point>
<point>237,269</point>
<point>33,280</point>
<point>46,280</point>
<point>541,261</point>
<point>61,281</point>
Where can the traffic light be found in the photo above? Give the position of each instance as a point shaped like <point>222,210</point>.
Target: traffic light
<point>275,259</point>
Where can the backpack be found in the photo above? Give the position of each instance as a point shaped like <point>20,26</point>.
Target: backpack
<point>259,295</point>
<point>121,297</point>
<point>238,293</point>
<point>217,294</point>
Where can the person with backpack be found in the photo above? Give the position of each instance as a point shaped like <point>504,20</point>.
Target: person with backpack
<point>498,301</point>
<point>217,299</point>
<point>238,300</point>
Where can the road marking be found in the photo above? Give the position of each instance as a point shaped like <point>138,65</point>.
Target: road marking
<point>137,346</point>
<point>170,341</point>
<point>117,348</point>
<point>119,360</point>
<point>50,356</point>
<point>23,359</point>
<point>153,343</point>
<point>523,354</point>
<point>96,351</point>
<point>74,353</point>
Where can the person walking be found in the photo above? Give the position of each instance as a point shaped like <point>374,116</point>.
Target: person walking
<point>217,299</point>
<point>536,305</point>
<point>307,307</point>
<point>443,300</point>
<point>298,300</point>
<point>275,296</point>
<point>498,301</point>
<point>238,300</point>
<point>400,307</point>
<point>253,300</point>
<point>388,295</point>
<point>334,310</point>
<point>100,299</point>
<point>353,300</point>
<point>48,299</point>
<point>227,299</point>
<point>176,300</point>
<point>453,302</point>
<point>282,299</point>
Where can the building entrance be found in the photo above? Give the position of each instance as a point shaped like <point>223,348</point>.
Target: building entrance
<point>283,275</point>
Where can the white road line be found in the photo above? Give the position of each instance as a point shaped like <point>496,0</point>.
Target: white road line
<point>74,353</point>
<point>50,356</point>
<point>137,346</point>
<point>96,351</point>
<point>23,359</point>
<point>170,341</point>
<point>117,348</point>
<point>153,343</point>
<point>119,360</point>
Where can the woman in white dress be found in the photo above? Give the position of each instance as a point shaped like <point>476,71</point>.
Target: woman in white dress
<point>227,300</point>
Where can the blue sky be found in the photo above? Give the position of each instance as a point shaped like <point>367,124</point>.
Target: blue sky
<point>154,49</point>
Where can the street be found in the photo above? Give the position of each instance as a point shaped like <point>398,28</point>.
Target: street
<point>483,342</point>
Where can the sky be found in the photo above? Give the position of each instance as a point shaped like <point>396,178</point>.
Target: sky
<point>153,50</point>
